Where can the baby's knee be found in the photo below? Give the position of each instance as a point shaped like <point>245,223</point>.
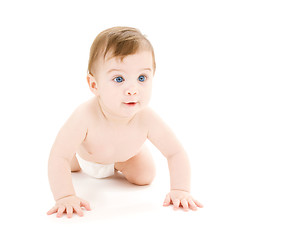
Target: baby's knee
<point>145,178</point>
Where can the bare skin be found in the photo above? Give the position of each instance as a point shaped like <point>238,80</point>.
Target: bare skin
<point>112,128</point>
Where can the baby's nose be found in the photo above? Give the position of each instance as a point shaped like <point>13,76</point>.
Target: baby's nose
<point>131,91</point>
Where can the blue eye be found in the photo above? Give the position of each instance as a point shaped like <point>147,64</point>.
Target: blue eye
<point>142,78</point>
<point>118,79</point>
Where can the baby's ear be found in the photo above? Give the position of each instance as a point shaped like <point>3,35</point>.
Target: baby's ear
<point>92,83</point>
<point>89,78</point>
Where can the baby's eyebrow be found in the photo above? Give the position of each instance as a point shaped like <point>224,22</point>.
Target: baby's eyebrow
<point>112,70</point>
<point>120,70</point>
<point>148,69</point>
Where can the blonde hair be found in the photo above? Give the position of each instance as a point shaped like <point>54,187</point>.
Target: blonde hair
<point>121,42</point>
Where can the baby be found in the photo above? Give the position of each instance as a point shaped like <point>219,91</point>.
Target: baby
<point>107,133</point>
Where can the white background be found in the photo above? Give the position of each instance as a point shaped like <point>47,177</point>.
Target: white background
<point>224,83</point>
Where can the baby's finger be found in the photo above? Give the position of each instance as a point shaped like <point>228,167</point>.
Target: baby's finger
<point>52,210</point>
<point>176,203</point>
<point>69,211</point>
<point>85,204</point>
<point>166,200</point>
<point>185,204</point>
<point>198,203</point>
<point>192,205</point>
<point>60,211</point>
<point>78,211</point>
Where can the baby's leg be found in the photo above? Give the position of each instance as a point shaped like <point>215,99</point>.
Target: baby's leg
<point>140,169</point>
<point>74,164</point>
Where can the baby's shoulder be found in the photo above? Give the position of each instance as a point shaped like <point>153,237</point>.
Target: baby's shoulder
<point>151,118</point>
<point>83,112</point>
<point>146,112</point>
<point>146,115</point>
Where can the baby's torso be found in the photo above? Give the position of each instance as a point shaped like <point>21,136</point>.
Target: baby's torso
<point>108,144</point>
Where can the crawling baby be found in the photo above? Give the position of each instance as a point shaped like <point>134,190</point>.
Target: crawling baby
<point>107,133</point>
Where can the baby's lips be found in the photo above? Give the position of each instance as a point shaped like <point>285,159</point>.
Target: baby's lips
<point>130,102</point>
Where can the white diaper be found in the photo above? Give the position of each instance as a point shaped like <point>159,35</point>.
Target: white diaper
<point>96,170</point>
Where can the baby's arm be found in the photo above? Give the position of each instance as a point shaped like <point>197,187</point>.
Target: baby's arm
<point>179,167</point>
<point>66,143</point>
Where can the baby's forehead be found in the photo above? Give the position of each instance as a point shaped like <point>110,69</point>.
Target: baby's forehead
<point>143,59</point>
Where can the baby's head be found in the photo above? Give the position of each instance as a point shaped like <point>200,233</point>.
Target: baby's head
<point>120,70</point>
<point>118,42</point>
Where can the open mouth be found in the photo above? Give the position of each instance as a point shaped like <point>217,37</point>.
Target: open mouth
<point>131,103</point>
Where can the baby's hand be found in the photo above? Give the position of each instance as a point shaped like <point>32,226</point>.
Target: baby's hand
<point>68,205</point>
<point>183,198</point>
